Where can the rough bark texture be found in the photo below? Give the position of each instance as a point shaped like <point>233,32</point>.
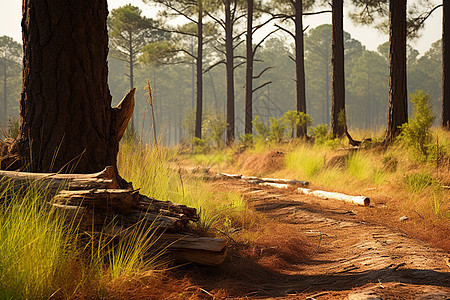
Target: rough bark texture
<point>337,60</point>
<point>67,123</point>
<point>230,71</point>
<point>398,107</point>
<point>300,64</point>
<point>249,70</point>
<point>446,65</point>
<point>199,111</point>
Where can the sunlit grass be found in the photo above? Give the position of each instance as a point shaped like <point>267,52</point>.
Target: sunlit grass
<point>155,171</point>
<point>35,246</point>
<point>305,161</point>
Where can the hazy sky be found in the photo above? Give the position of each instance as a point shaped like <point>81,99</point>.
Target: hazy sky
<point>11,10</point>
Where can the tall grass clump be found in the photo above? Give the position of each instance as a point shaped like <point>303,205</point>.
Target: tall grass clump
<point>35,245</point>
<point>305,160</point>
<point>156,172</point>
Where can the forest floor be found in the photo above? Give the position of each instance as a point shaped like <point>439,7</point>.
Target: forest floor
<point>325,249</point>
<point>302,247</point>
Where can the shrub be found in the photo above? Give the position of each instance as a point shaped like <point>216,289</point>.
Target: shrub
<point>261,127</point>
<point>292,119</point>
<point>416,134</point>
<point>277,128</point>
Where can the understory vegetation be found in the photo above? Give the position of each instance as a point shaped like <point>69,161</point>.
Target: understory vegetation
<point>413,173</point>
<point>43,255</point>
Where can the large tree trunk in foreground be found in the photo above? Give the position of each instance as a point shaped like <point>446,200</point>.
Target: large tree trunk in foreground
<point>446,65</point>
<point>67,123</point>
<point>398,106</point>
<point>337,58</point>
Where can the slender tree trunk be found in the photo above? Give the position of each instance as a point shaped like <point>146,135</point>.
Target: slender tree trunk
<point>131,61</point>
<point>338,78</point>
<point>249,70</point>
<point>67,123</point>
<point>198,119</point>
<point>5,101</point>
<point>193,80</point>
<point>327,88</point>
<point>230,71</point>
<point>446,65</point>
<point>398,106</point>
<point>300,65</point>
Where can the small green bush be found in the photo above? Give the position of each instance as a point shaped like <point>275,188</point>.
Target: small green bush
<point>261,127</point>
<point>277,128</point>
<point>416,134</point>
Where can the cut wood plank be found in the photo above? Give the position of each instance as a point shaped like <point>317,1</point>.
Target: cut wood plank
<point>359,200</point>
<point>181,241</point>
<point>206,258</point>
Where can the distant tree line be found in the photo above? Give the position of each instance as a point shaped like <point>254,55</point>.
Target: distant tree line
<point>323,71</point>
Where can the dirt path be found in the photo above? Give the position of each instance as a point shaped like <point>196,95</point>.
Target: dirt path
<point>349,254</point>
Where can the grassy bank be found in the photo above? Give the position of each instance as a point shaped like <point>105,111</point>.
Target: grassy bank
<point>396,175</point>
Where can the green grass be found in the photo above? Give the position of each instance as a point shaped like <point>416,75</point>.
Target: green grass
<point>35,246</point>
<point>305,161</point>
<point>155,171</point>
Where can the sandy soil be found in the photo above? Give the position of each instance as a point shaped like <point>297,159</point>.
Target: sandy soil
<point>323,249</point>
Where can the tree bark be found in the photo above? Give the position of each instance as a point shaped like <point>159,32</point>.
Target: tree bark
<point>398,106</point>
<point>300,65</point>
<point>199,112</point>
<point>230,71</point>
<point>67,123</point>
<point>337,59</point>
<point>446,65</point>
<point>5,102</point>
<point>249,70</point>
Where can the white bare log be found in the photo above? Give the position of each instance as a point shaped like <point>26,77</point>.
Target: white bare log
<point>359,200</point>
<point>229,176</point>
<point>277,185</point>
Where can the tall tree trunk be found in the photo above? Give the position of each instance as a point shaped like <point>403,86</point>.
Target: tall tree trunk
<point>398,106</point>
<point>198,118</point>
<point>337,59</point>
<point>249,70</point>
<point>446,65</point>
<point>67,123</point>
<point>300,65</point>
<point>230,71</point>
<point>5,102</point>
<point>327,88</point>
<point>131,61</point>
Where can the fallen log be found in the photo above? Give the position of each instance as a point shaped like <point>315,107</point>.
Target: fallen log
<point>53,182</point>
<point>286,181</point>
<point>117,200</point>
<point>277,185</point>
<point>271,181</point>
<point>359,200</point>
